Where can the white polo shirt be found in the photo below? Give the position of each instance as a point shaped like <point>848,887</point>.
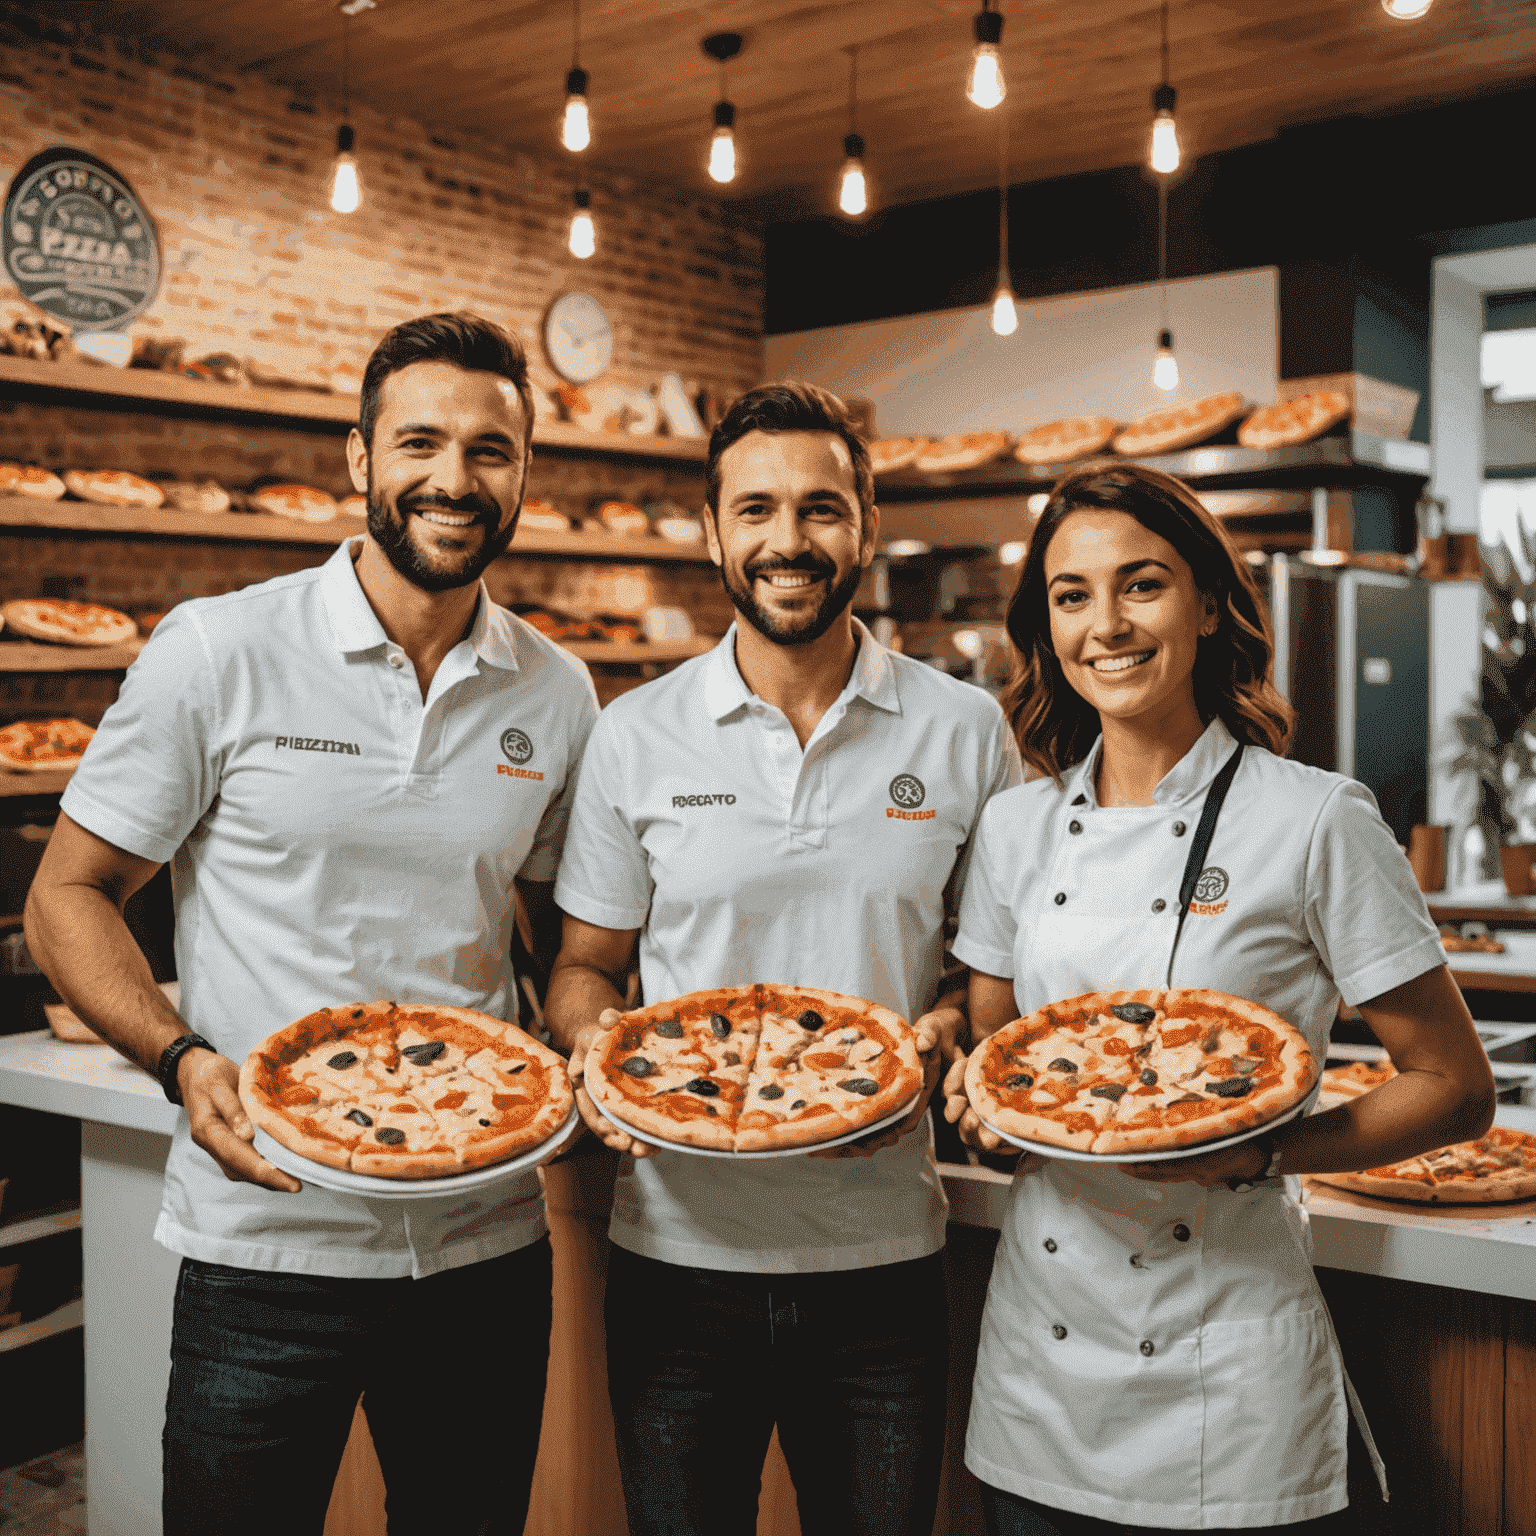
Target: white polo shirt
<point>742,858</point>
<point>332,838</point>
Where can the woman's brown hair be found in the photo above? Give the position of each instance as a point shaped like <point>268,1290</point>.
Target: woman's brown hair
<point>1055,726</point>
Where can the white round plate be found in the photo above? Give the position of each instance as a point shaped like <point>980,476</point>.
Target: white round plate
<point>742,1157</point>
<point>1199,1149</point>
<point>344,1182</point>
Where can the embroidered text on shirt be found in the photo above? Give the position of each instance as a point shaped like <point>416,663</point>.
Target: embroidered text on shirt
<point>316,744</point>
<point>678,801</point>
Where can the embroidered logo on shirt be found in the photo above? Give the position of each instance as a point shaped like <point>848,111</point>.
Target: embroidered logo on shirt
<point>907,791</point>
<point>1209,889</point>
<point>516,745</point>
<point>317,744</point>
<point>680,801</point>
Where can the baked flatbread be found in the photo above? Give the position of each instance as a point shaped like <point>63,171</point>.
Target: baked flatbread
<point>67,622</point>
<point>893,453</point>
<point>1059,442</point>
<point>1289,422</point>
<point>301,502</point>
<point>115,487</point>
<point>35,746</point>
<point>29,480</point>
<point>1180,426</point>
<point>961,451</point>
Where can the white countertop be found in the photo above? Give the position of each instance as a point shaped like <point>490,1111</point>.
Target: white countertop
<point>1518,959</point>
<point>86,1082</point>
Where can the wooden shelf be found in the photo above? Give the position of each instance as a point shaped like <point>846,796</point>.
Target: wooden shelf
<point>28,1229</point>
<point>91,517</point>
<point>637,653</point>
<point>60,1320</point>
<point>32,656</point>
<point>148,387</point>
<point>17,786</point>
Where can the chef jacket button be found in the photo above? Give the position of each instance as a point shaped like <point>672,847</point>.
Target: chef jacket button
<point>1159,904</point>
<point>1074,827</point>
<point>1178,829</point>
<point>1061,898</point>
<point>396,659</point>
<point>1147,1346</point>
<point>1050,1245</point>
<point>1057,1331</point>
<point>1181,1233</point>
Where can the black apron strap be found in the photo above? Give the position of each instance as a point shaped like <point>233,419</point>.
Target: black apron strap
<point>1201,846</point>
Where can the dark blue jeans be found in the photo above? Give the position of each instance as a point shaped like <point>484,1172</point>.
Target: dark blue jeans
<point>266,1370</point>
<point>851,1366</point>
<point>1007,1514</point>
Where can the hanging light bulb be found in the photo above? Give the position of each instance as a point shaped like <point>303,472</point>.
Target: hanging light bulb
<point>346,188</point>
<point>1165,371</point>
<point>1005,318</point>
<point>576,127</point>
<point>1406,10</point>
<point>987,87</point>
<point>1165,133</point>
<point>721,46</point>
<point>853,195</point>
<point>583,238</point>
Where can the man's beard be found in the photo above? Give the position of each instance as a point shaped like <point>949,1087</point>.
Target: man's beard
<point>832,605</point>
<point>390,528</point>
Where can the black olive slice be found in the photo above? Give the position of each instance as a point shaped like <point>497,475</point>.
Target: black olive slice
<point>862,1085</point>
<point>427,1051</point>
<point>1149,1077</point>
<point>1134,1013</point>
<point>1111,1091</point>
<point>1212,1037</point>
<point>1061,1064</point>
<point>810,1019</point>
<point>390,1136</point>
<point>1019,1080</point>
<point>485,1122</point>
<point>638,1066</point>
<point>670,1029</point>
<point>719,1025</point>
<point>1231,1087</point>
<point>770,1091</point>
<point>798,1104</point>
<point>357,1117</point>
<point>357,1013</point>
<point>702,1086</point>
<point>513,1071</point>
<point>342,1059</point>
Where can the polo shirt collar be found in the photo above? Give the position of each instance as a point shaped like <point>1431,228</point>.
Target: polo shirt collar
<point>356,626</point>
<point>873,679</point>
<point>1187,780</point>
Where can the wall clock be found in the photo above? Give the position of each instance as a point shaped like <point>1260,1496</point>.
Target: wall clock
<point>578,337</point>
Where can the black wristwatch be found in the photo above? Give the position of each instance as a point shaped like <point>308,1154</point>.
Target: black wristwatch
<point>170,1059</point>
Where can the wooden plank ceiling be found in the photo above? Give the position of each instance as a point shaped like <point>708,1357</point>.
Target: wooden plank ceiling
<point>1080,75</point>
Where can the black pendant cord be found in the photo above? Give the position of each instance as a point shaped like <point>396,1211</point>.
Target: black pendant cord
<point>1194,865</point>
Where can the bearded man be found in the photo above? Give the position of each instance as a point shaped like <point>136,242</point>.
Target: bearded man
<point>316,757</point>
<point>751,817</point>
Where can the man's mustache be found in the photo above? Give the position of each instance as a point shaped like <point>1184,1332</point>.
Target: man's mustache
<point>806,563</point>
<point>482,508</point>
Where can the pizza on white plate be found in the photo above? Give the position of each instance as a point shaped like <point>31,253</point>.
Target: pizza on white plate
<point>67,622</point>
<point>35,746</point>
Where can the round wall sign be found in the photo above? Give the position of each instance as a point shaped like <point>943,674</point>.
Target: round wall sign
<point>78,243</point>
<point>578,337</point>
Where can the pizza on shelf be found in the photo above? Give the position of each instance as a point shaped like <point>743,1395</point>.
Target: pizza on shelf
<point>34,746</point>
<point>962,450</point>
<point>755,1069</point>
<point>1180,426</point>
<point>301,502</point>
<point>1059,442</point>
<point>352,506</point>
<point>1289,422</point>
<point>68,622</point>
<point>622,518</point>
<point>1340,1084</point>
<point>1454,942</point>
<point>404,1090</point>
<point>894,453</point>
<point>1139,1071</point>
<point>114,487</point>
<point>29,480</point>
<point>542,517</point>
<point>1500,1166</point>
<point>206,496</point>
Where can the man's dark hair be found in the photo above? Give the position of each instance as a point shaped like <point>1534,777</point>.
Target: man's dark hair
<point>789,406</point>
<point>463,339</point>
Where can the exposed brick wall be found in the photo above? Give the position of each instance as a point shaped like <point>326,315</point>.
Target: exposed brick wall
<point>235,172</point>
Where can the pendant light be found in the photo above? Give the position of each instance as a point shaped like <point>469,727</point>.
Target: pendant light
<point>721,46</point>
<point>853,193</point>
<point>1165,135</point>
<point>986,86</point>
<point>583,237</point>
<point>1165,371</point>
<point>1005,318</point>
<point>1406,10</point>
<point>346,185</point>
<point>576,126</point>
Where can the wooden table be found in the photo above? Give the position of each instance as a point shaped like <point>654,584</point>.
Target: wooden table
<point>1513,971</point>
<point>1487,902</point>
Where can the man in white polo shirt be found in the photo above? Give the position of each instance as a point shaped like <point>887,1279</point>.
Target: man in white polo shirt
<point>793,807</point>
<point>322,759</point>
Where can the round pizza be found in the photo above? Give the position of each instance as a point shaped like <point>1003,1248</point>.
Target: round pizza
<point>405,1090</point>
<point>1059,442</point>
<point>1140,1071</point>
<point>1289,422</point>
<point>68,622</point>
<point>300,502</point>
<point>755,1069</point>
<point>1499,1166</point>
<point>1340,1084</point>
<point>1180,426</point>
<point>894,453</point>
<point>205,496</point>
<point>961,450</point>
<point>34,746</point>
<point>29,480</point>
<point>114,487</point>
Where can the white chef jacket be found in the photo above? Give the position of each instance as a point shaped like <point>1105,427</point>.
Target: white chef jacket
<point>333,839</point>
<point>1160,1354</point>
<point>742,858</point>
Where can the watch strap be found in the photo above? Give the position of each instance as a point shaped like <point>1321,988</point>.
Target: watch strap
<point>170,1059</point>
